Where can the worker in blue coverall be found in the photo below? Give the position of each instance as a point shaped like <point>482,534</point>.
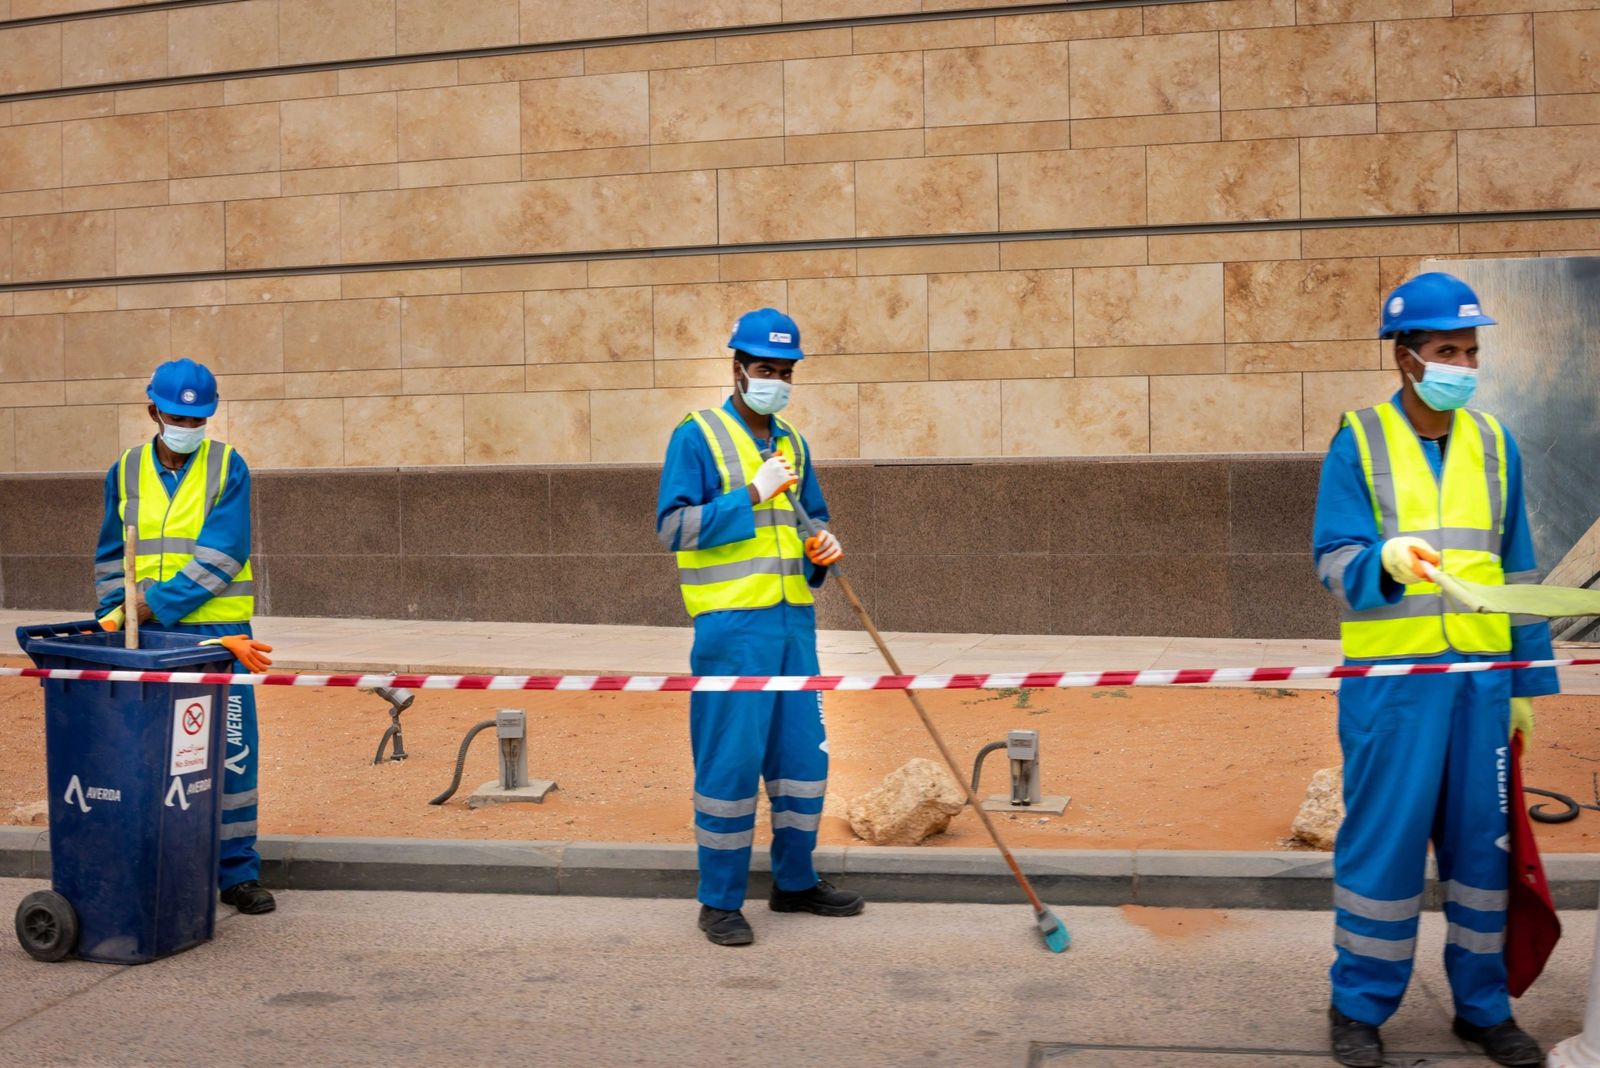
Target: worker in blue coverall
<point>1416,483</point>
<point>747,574</point>
<point>189,499</point>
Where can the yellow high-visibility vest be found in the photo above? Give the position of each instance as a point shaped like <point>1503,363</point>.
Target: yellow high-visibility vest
<point>169,526</point>
<point>1461,514</point>
<point>762,570</point>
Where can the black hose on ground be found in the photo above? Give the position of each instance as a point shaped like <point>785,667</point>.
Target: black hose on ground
<point>461,762</point>
<point>977,764</point>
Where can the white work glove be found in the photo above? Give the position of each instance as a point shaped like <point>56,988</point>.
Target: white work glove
<point>773,477</point>
<point>1402,555</point>
<point>822,548</point>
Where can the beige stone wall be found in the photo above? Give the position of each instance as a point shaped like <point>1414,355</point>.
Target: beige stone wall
<point>1229,114</point>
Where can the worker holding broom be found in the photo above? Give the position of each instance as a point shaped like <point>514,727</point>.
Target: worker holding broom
<point>188,500</point>
<point>746,576</point>
<point>1420,483</point>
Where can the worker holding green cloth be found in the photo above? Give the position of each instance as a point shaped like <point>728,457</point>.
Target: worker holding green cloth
<point>1417,483</point>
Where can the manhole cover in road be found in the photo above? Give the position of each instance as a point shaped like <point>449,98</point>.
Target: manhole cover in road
<point>1065,1054</point>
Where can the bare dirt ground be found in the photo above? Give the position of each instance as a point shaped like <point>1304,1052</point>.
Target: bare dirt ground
<point>1178,768</point>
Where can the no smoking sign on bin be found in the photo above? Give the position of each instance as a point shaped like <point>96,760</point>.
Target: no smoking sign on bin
<point>191,734</point>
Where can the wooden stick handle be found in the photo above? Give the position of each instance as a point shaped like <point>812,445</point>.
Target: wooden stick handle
<point>849,592</point>
<point>938,740</point>
<point>130,586</point>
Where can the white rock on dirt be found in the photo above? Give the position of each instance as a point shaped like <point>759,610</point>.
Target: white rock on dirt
<point>31,813</point>
<point>915,802</point>
<point>1322,812</point>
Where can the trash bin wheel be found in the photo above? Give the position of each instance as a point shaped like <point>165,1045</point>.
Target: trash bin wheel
<point>47,926</point>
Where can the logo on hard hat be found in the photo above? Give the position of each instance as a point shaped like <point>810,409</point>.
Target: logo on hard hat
<point>188,396</point>
<point>780,338</point>
<point>1397,305</point>
<point>1469,309</point>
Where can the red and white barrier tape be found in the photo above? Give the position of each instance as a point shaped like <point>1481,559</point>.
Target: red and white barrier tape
<point>1060,680</point>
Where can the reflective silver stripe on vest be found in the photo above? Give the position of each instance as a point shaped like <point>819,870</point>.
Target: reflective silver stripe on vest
<point>1377,948</point>
<point>217,559</point>
<point>243,799</point>
<point>167,547</point>
<point>1372,908</point>
<point>132,462</point>
<point>1411,606</point>
<point>1491,468</point>
<point>1524,578</point>
<point>713,840</point>
<point>781,516</point>
<point>796,787</point>
<point>1331,569</point>
<point>730,453</point>
<point>1526,621</point>
<point>1475,941</point>
<point>1474,897</point>
<point>242,829</point>
<point>1480,541</point>
<point>796,821</point>
<point>1382,470</point>
<point>215,454</point>
<point>238,589</point>
<point>712,806</point>
<point>761,565</point>
<point>208,580</point>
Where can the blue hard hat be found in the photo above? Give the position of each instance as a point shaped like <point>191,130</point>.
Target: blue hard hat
<point>1433,301</point>
<point>767,332</point>
<point>183,387</point>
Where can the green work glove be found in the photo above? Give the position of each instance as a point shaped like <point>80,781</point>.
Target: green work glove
<point>1522,717</point>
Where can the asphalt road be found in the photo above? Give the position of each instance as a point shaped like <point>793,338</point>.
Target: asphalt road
<point>342,978</point>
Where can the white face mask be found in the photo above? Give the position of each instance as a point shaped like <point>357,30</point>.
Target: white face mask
<point>182,440</point>
<point>766,396</point>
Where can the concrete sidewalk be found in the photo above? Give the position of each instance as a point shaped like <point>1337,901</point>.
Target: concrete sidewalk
<point>559,648</point>
<point>346,978</point>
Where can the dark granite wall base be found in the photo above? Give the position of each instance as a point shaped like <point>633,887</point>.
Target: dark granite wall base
<point>1207,547</point>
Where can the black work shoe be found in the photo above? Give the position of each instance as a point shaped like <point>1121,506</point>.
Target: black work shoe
<point>726,928</point>
<point>1504,1043</point>
<point>824,899</point>
<point>1355,1044</point>
<point>250,898</point>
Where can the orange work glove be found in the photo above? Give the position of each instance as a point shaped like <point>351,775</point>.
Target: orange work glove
<point>823,549</point>
<point>248,651</point>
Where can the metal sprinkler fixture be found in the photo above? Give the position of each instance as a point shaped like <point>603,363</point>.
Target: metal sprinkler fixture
<point>511,730</point>
<point>399,700</point>
<point>1022,746</point>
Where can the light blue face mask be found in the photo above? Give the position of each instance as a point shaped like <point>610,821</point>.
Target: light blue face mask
<point>765,396</point>
<point>182,440</point>
<point>1444,387</point>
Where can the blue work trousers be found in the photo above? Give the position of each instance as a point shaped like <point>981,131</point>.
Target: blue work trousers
<point>1425,757</point>
<point>741,738</point>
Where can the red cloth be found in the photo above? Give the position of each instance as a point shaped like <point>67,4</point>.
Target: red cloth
<point>1532,928</point>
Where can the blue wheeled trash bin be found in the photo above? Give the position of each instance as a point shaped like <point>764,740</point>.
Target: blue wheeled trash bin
<point>134,772</point>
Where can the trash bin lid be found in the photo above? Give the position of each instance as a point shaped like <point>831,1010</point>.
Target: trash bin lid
<point>159,650</point>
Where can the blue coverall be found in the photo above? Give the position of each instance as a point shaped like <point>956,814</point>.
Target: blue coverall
<point>226,529</point>
<point>1424,756</point>
<point>739,739</point>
